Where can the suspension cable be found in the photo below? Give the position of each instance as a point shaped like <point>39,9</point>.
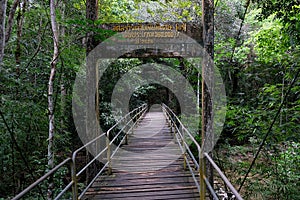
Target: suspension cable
<point>240,30</point>
<point>270,128</point>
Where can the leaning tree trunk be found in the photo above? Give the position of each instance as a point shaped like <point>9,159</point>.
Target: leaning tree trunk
<point>53,64</point>
<point>3,4</point>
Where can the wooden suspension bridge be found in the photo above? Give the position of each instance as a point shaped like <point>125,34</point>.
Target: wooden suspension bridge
<point>152,160</point>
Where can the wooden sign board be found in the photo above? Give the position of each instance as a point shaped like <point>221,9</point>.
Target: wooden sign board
<point>172,39</point>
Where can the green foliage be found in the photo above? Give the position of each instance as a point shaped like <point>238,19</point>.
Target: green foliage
<point>241,124</point>
<point>288,12</point>
<point>23,99</point>
<point>257,66</point>
<point>279,171</point>
<point>275,174</point>
<point>161,10</point>
<point>287,172</point>
<point>271,44</point>
<point>113,11</point>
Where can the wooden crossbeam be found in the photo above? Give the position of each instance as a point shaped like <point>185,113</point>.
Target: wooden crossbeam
<point>168,40</point>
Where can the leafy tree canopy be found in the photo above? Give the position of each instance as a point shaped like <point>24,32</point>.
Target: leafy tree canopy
<point>287,11</point>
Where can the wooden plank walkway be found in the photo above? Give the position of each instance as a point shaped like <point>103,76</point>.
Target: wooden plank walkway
<point>149,167</point>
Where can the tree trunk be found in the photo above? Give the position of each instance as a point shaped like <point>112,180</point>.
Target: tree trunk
<point>208,82</point>
<point>20,20</point>
<point>3,4</point>
<point>91,15</point>
<point>91,81</point>
<point>50,95</point>
<point>11,19</point>
<point>63,90</point>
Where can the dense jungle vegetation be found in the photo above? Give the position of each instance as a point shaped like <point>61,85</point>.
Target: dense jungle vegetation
<point>257,50</point>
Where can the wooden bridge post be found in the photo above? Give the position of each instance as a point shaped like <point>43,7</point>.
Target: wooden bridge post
<point>126,136</point>
<point>171,126</point>
<point>184,148</point>
<point>202,176</point>
<point>108,154</point>
<point>92,88</point>
<point>207,89</point>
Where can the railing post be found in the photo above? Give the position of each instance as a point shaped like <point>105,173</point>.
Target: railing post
<point>169,121</point>
<point>128,132</point>
<point>108,154</point>
<point>74,179</point>
<point>184,148</point>
<point>171,125</point>
<point>126,137</point>
<point>201,176</point>
<point>132,129</point>
<point>137,116</point>
<point>139,113</point>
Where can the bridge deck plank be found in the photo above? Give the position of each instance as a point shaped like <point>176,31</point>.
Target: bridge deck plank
<point>153,171</point>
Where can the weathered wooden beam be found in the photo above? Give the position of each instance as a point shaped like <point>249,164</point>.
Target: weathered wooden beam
<point>208,84</point>
<point>168,40</point>
<point>92,86</point>
<point>156,30</point>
